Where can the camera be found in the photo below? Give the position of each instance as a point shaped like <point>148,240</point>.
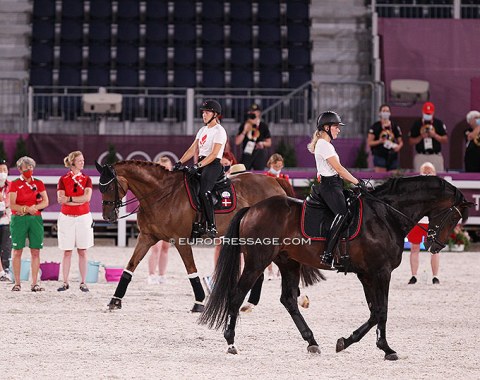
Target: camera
<point>251,115</point>
<point>428,128</point>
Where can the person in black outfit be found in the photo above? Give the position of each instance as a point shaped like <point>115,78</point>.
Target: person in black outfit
<point>254,136</point>
<point>385,141</point>
<point>472,136</point>
<point>428,134</point>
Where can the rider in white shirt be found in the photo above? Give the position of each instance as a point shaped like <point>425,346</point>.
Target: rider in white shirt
<point>210,144</point>
<point>330,173</point>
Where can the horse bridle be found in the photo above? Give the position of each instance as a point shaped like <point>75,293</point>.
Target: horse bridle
<point>431,233</point>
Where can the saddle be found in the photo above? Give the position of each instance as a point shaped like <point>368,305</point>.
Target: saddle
<point>317,218</point>
<point>223,193</point>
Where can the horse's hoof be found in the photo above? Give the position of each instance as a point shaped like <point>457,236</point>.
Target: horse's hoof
<point>197,308</point>
<point>304,302</point>
<point>340,345</point>
<point>247,308</point>
<point>232,350</point>
<point>313,349</point>
<point>115,304</point>
<point>392,356</point>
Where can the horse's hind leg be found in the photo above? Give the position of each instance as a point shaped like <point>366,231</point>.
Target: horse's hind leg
<point>290,271</point>
<point>144,243</point>
<point>245,283</point>
<point>376,294</point>
<point>187,257</point>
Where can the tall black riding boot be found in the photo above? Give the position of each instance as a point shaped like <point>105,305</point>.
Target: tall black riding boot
<point>332,238</point>
<point>208,211</point>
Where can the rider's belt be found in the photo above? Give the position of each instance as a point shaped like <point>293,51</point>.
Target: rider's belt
<point>330,178</point>
<point>430,153</point>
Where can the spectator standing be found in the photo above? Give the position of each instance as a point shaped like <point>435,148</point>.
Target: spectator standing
<point>385,141</point>
<point>472,135</point>
<point>5,215</point>
<point>255,138</point>
<point>74,191</point>
<point>159,252</point>
<point>28,198</point>
<point>417,234</point>
<point>428,134</point>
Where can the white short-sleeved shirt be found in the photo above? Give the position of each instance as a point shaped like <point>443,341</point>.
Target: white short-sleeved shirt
<point>207,137</point>
<point>323,151</point>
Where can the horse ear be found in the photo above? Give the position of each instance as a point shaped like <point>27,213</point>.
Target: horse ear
<point>468,204</point>
<point>99,167</point>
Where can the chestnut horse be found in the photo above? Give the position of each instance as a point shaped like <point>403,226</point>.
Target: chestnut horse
<point>389,213</point>
<point>165,213</point>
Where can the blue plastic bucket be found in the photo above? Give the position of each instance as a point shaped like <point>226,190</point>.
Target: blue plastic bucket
<point>24,270</point>
<point>92,271</point>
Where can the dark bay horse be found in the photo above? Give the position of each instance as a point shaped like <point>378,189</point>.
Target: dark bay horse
<point>165,213</point>
<point>389,213</point>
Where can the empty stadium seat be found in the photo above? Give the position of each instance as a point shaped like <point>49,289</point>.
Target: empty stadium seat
<point>71,55</point>
<point>213,78</point>
<point>42,55</point>
<point>184,56</point>
<point>269,11</point>
<point>71,31</point>
<point>184,11</point>
<point>184,77</point>
<point>270,78</point>
<point>128,9</point>
<point>43,9</point>
<point>185,34</point>
<point>156,77</point>
<point>43,30</point>
<point>156,32</point>
<point>213,11</point>
<point>72,9</point>
<point>99,55</point>
<point>241,10</point>
<point>99,32</point>
<point>157,10</point>
<point>241,77</point>
<point>296,77</point>
<point>156,56</point>
<point>127,55</point>
<point>240,34</point>
<point>128,32</point>
<point>241,56</point>
<point>212,34</point>
<point>298,34</point>
<point>297,11</point>
<point>98,76</point>
<point>269,34</point>
<point>101,10</point>
<point>41,76</point>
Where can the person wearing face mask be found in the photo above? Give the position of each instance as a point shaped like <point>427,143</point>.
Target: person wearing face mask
<point>417,235</point>
<point>428,134</point>
<point>472,136</point>
<point>28,198</point>
<point>385,141</point>
<point>254,136</point>
<point>275,166</point>
<point>74,191</point>
<point>5,215</point>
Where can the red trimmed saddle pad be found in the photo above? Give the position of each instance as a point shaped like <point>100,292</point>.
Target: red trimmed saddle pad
<point>224,196</point>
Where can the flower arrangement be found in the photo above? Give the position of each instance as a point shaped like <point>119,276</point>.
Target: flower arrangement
<point>458,237</point>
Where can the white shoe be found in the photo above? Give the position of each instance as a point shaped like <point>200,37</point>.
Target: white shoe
<point>152,279</point>
<point>162,279</point>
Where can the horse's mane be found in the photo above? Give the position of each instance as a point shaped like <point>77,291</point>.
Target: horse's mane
<point>392,186</point>
<point>142,163</point>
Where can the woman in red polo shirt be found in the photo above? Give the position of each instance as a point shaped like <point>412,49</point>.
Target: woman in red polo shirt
<point>74,191</point>
<point>28,198</point>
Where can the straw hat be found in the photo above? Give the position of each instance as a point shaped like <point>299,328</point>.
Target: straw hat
<point>237,169</point>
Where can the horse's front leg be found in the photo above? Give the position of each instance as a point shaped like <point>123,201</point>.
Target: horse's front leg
<point>186,254</point>
<point>144,243</point>
<point>290,271</point>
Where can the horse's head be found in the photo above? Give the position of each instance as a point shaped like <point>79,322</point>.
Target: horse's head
<point>113,189</point>
<point>443,221</point>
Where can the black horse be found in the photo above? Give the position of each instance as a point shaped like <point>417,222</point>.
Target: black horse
<point>389,213</point>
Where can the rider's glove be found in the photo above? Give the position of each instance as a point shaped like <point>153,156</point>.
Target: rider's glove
<point>362,186</point>
<point>177,166</point>
<point>192,170</point>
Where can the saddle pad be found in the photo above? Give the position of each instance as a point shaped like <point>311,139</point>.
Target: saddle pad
<point>224,196</point>
<point>316,222</point>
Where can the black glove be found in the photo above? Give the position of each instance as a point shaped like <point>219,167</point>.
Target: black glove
<point>362,186</point>
<point>193,170</point>
<point>178,166</point>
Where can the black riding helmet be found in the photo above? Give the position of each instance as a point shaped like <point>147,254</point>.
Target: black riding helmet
<point>328,118</point>
<point>211,105</point>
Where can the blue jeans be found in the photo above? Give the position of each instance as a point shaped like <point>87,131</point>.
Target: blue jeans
<point>390,164</point>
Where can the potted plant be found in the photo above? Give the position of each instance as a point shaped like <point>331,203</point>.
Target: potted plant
<point>459,240</point>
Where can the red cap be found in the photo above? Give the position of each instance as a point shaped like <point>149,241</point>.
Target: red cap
<point>428,108</point>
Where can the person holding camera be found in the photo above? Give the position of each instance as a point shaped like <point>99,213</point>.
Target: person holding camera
<point>472,136</point>
<point>28,197</point>
<point>385,141</point>
<point>428,134</point>
<point>255,138</point>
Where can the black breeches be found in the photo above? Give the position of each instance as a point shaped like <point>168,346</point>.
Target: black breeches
<point>331,190</point>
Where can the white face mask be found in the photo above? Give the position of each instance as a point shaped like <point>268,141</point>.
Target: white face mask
<point>427,117</point>
<point>385,115</point>
<point>273,171</point>
<point>3,177</point>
